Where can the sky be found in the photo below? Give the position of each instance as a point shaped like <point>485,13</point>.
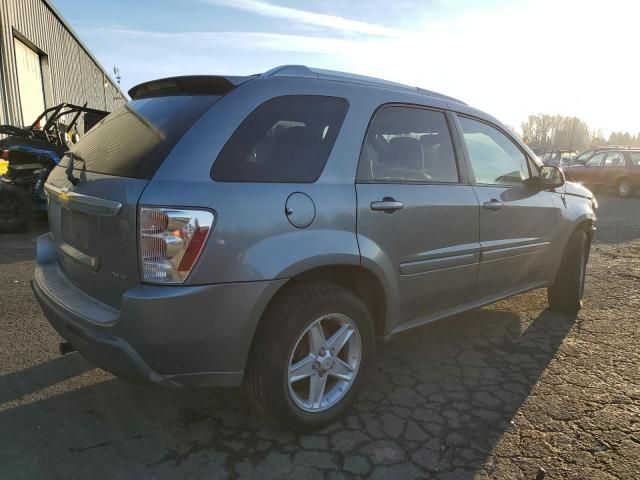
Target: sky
<point>510,58</point>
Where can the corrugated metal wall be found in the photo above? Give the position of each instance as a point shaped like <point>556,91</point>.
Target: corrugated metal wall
<point>71,75</point>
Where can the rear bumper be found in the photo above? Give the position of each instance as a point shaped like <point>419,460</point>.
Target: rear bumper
<point>166,335</point>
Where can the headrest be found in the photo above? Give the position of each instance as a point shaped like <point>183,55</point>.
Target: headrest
<point>288,146</point>
<point>430,140</point>
<point>405,152</point>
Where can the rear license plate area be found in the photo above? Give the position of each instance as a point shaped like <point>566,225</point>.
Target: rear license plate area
<point>79,230</point>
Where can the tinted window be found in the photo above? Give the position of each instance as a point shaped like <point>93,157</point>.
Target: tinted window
<point>614,159</point>
<point>407,144</point>
<point>286,139</point>
<point>596,160</point>
<point>134,139</point>
<point>495,159</point>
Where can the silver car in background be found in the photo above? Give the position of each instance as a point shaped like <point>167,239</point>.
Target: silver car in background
<point>268,230</point>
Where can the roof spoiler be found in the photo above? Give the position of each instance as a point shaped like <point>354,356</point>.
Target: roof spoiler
<point>187,85</point>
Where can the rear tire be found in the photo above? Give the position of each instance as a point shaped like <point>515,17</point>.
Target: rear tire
<point>287,346</point>
<point>566,293</point>
<point>625,188</point>
<point>16,209</point>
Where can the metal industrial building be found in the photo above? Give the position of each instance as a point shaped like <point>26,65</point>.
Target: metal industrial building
<point>44,63</point>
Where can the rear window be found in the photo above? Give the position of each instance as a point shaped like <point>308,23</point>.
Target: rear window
<point>286,140</point>
<point>134,139</point>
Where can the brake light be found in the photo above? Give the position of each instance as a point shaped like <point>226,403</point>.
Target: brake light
<point>171,241</point>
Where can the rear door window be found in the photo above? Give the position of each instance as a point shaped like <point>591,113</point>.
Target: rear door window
<point>408,144</point>
<point>287,139</point>
<point>134,139</point>
<point>614,159</point>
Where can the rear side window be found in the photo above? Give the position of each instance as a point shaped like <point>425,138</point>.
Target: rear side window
<point>408,144</point>
<point>635,158</point>
<point>287,139</point>
<point>614,159</point>
<point>134,139</point>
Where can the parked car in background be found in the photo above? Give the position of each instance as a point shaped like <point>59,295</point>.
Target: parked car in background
<point>539,151</point>
<point>559,158</point>
<point>617,168</point>
<point>266,230</point>
<point>585,156</point>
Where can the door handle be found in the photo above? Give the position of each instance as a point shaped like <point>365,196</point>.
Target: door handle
<point>493,205</point>
<point>386,205</point>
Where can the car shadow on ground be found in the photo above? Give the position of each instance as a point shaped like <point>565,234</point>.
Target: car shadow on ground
<point>439,399</point>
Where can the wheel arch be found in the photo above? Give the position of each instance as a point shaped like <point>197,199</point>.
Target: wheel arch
<point>623,177</point>
<point>584,223</point>
<point>359,280</point>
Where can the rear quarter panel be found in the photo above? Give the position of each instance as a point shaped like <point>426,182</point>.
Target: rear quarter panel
<point>253,239</point>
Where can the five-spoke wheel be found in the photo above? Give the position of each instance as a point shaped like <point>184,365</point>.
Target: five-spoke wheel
<point>324,362</point>
<point>310,355</point>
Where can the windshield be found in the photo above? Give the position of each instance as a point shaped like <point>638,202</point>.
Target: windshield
<point>134,139</point>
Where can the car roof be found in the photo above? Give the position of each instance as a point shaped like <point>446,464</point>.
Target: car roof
<point>222,84</point>
<point>302,71</point>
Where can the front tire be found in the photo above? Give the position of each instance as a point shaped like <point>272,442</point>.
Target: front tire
<point>311,353</point>
<point>16,209</point>
<point>566,293</point>
<point>625,188</point>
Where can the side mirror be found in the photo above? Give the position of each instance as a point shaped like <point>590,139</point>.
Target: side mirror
<point>551,177</point>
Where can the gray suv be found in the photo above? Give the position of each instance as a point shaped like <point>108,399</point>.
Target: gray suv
<point>268,230</point>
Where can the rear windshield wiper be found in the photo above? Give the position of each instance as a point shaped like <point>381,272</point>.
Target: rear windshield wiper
<point>69,170</point>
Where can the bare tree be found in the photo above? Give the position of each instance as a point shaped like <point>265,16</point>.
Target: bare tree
<point>570,133</point>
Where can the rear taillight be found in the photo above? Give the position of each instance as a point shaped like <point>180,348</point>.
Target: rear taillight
<point>171,241</point>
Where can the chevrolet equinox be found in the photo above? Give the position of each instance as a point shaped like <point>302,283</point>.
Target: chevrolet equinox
<point>268,230</point>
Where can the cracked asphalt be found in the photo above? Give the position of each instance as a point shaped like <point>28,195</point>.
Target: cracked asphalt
<point>509,391</point>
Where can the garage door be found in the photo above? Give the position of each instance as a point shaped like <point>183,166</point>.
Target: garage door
<point>29,82</point>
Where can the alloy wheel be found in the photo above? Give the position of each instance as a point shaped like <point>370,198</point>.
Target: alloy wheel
<point>324,362</point>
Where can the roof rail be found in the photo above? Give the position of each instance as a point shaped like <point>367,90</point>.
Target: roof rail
<point>302,71</point>
<point>616,147</point>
